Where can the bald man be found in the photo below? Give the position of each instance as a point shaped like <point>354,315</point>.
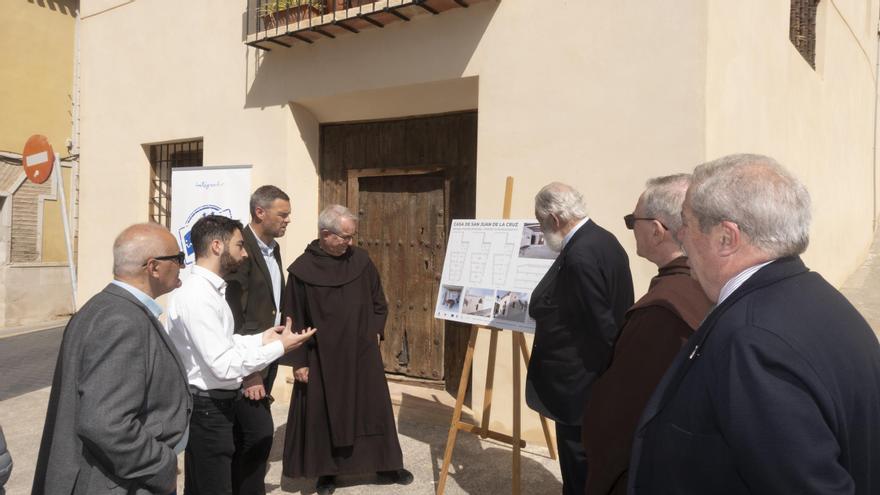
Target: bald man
<point>120,406</point>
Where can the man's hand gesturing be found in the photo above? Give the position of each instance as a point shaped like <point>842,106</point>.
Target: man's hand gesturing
<point>291,339</point>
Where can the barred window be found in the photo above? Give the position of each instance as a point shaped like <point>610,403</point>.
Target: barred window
<point>802,29</point>
<point>163,158</point>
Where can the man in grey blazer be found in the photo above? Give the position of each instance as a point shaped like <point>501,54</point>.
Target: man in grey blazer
<point>120,406</point>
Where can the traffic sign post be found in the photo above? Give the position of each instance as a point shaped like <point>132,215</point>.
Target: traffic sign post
<point>38,160</point>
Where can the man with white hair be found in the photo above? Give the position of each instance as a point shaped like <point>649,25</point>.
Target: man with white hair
<point>778,391</point>
<point>578,308</point>
<point>119,407</point>
<point>655,329</point>
<point>340,420</point>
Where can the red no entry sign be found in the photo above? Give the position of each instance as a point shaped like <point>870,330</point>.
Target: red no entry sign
<point>37,158</point>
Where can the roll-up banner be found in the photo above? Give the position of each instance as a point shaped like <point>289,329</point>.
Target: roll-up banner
<point>200,191</point>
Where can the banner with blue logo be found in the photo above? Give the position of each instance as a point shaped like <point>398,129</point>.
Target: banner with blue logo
<point>201,191</point>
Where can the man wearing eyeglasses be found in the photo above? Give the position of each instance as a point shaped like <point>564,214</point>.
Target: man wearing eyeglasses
<point>654,330</point>
<point>119,406</point>
<point>340,419</point>
<point>578,307</point>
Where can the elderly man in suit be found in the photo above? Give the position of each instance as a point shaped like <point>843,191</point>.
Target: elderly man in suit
<point>778,391</point>
<point>578,308</point>
<point>119,406</point>
<point>254,293</point>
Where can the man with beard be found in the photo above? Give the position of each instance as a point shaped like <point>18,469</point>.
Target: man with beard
<point>216,360</point>
<point>340,419</point>
<point>655,329</point>
<point>254,294</point>
<point>578,308</point>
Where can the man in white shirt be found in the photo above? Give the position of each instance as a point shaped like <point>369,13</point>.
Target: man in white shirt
<point>201,326</point>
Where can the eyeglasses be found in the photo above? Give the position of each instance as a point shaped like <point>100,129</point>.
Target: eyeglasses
<point>180,258</point>
<point>630,221</point>
<point>346,238</point>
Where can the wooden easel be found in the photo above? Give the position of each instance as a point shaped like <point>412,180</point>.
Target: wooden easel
<point>519,348</point>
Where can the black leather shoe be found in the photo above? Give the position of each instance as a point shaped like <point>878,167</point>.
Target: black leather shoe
<point>397,476</point>
<point>325,485</point>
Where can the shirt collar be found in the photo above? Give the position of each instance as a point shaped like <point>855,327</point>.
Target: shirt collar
<point>740,278</point>
<point>571,232</point>
<point>267,250</point>
<point>215,280</point>
<point>141,296</point>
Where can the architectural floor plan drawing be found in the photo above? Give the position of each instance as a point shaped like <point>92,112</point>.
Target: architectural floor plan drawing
<point>490,270</point>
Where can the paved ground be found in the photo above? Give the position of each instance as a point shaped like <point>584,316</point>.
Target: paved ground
<point>27,361</point>
<point>863,287</point>
<point>422,417</point>
<point>422,420</point>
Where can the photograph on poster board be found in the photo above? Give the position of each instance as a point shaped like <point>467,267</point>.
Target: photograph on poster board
<point>498,261</point>
<point>511,306</point>
<point>449,302</point>
<point>533,244</point>
<point>478,302</point>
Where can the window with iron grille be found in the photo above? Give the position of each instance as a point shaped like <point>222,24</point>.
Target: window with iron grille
<point>802,29</point>
<point>163,158</point>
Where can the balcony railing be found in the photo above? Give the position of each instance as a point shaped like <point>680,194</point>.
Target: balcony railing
<point>273,23</point>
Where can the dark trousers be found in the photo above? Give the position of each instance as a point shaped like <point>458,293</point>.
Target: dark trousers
<point>208,457</point>
<point>253,433</point>
<point>572,459</point>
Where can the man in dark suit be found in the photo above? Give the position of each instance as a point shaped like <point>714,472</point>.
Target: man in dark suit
<point>578,308</point>
<point>119,407</point>
<point>254,295</point>
<point>779,389</point>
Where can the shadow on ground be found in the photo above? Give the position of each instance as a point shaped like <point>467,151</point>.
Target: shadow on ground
<point>478,466</point>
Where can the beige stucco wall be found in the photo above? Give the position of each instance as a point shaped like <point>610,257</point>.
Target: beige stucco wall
<point>35,293</point>
<point>36,46</point>
<point>762,96</point>
<point>37,49</point>
<point>53,248</point>
<point>599,96</point>
<point>561,93</point>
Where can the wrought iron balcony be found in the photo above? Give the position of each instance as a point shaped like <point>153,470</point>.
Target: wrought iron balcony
<point>274,23</point>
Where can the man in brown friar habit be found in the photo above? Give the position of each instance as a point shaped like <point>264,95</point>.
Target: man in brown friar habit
<point>340,419</point>
<point>654,330</point>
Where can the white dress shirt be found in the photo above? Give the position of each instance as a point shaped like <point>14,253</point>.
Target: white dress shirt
<point>274,272</point>
<point>739,279</point>
<point>571,232</point>
<point>201,326</point>
<point>146,300</point>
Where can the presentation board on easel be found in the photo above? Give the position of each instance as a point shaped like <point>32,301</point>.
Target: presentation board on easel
<point>491,269</point>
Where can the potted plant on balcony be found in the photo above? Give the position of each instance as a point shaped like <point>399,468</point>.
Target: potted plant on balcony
<point>277,13</point>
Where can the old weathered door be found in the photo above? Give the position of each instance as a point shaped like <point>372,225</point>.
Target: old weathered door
<point>405,158</point>
<point>402,225</point>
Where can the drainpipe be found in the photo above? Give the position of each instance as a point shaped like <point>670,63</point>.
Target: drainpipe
<point>876,103</point>
<point>73,147</point>
<point>71,223</point>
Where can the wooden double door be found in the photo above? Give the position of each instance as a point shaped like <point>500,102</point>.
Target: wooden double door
<point>406,180</point>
